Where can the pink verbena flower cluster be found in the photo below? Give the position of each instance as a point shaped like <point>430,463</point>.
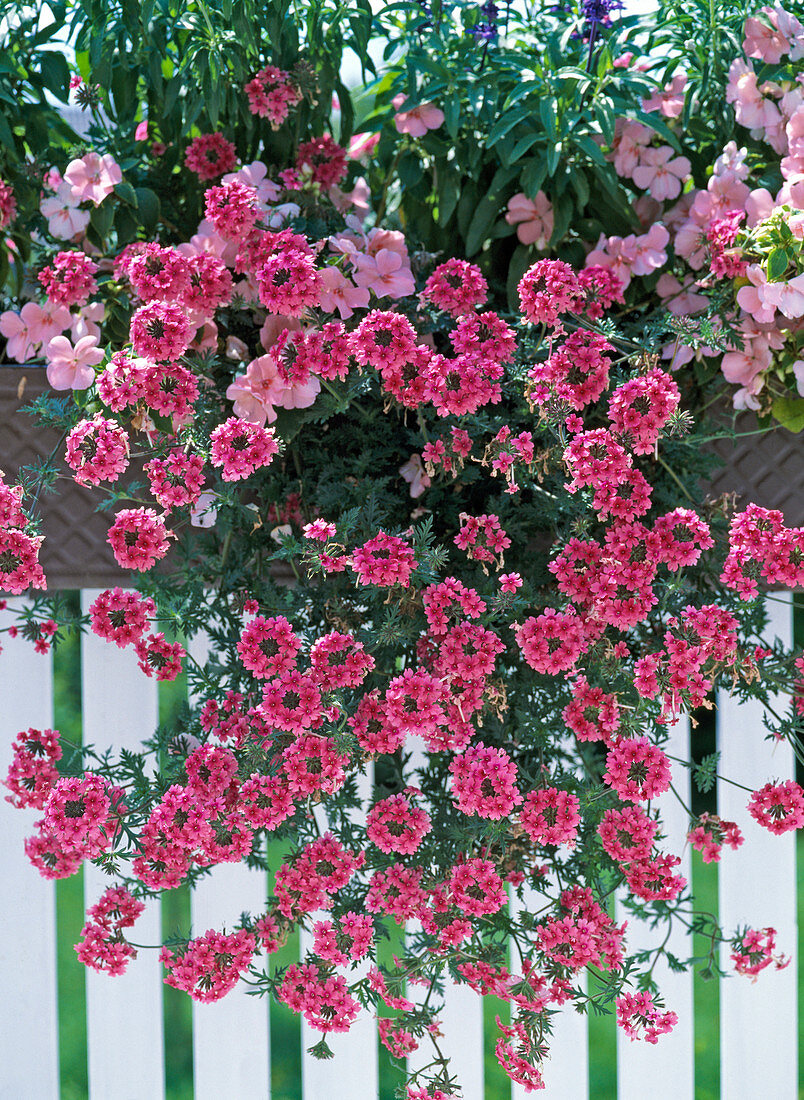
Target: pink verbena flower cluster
<point>271,94</point>
<point>103,946</point>
<point>761,547</point>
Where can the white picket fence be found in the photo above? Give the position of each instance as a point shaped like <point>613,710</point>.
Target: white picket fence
<point>232,1056</point>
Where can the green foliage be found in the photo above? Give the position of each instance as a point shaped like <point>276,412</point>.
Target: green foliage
<point>34,79</point>
<point>180,65</point>
<point>705,772</point>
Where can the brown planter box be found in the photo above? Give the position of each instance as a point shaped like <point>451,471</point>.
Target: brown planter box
<point>767,468</point>
<point>75,553</point>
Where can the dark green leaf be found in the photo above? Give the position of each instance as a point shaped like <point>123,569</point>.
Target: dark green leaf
<point>148,207</point>
<point>126,192</point>
<point>101,219</point>
<point>777,264</point>
<point>55,73</point>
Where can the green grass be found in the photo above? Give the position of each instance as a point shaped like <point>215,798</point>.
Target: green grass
<point>177,1008</point>
<point>70,974</point>
<point>706,994</point>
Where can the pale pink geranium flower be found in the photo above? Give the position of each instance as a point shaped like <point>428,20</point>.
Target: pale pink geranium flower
<point>679,354</point>
<point>48,321</point>
<point>670,100</point>
<point>752,298</point>
<point>758,206</point>
<point>616,253</point>
<point>791,29</point>
<point>650,252</point>
<point>795,223</point>
<point>340,293</point>
<point>357,199</point>
<point>386,274</point>
<point>64,219</point>
<point>16,329</point>
<point>273,327</point>
<point>798,372</point>
<point>751,108</point>
<point>792,99</point>
<point>206,338</point>
<point>731,162</point>
<point>93,177</point>
<point>256,175</point>
<point>787,297</point>
<point>690,243</point>
<point>764,42</point>
<point>413,472</point>
<point>71,367</point>
<point>52,179</point>
<point>679,298</point>
<point>661,173</point>
<point>390,239</point>
<point>418,120</point>
<point>743,367</point>
<point>745,397</point>
<point>32,327</point>
<point>256,392</point>
<point>792,192</point>
<point>533,218</point>
<point>348,244</point>
<point>722,194</point>
<point>277,216</point>
<point>208,240</point>
<point>299,395</point>
<point>86,322</point>
<point>631,139</point>
<point>795,135</point>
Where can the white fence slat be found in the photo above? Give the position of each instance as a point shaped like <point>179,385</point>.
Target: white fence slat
<point>462,1044</point>
<point>566,1068</point>
<point>670,1063</point>
<point>461,1018</point>
<point>353,1071</point>
<point>757,886</point>
<point>124,1014</point>
<point>231,1050</point>
<point>29,1048</point>
<point>231,1039</point>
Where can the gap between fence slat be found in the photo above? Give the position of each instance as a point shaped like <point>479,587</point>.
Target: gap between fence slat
<point>124,1014</point>
<point>231,1039</point>
<point>757,887</point>
<point>669,1064</point>
<point>29,1049</point>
